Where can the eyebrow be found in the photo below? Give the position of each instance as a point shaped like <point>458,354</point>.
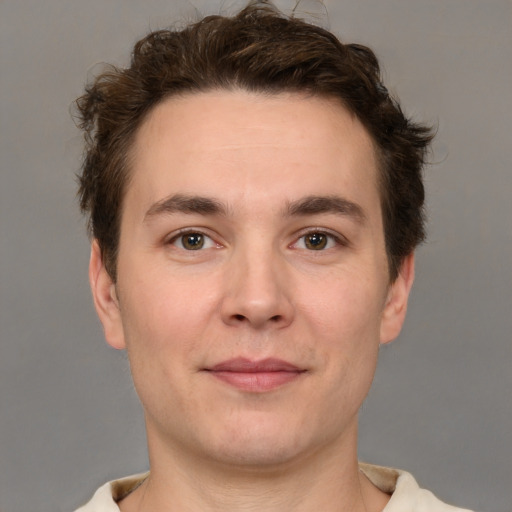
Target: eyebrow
<point>181,203</point>
<point>310,205</point>
<point>314,205</point>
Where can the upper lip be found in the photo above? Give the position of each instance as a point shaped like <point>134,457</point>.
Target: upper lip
<point>244,365</point>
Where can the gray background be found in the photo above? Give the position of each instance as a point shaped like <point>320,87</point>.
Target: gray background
<point>441,404</point>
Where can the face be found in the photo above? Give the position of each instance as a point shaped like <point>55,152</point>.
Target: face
<point>253,288</point>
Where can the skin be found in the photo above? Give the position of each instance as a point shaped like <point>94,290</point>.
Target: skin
<point>256,289</point>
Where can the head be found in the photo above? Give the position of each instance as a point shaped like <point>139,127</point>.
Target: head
<point>255,199</point>
<point>261,51</point>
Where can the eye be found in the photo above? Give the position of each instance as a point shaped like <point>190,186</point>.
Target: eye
<point>192,241</point>
<point>317,241</point>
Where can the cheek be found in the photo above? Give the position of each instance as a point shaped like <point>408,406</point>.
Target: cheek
<point>161,330</point>
<point>160,300</point>
<point>168,325</point>
<point>155,320</point>
<point>347,324</point>
<point>348,308</point>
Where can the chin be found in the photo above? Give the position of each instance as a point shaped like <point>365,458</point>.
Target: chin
<point>260,445</point>
<point>257,455</point>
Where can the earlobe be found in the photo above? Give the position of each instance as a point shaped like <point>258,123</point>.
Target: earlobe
<point>395,309</point>
<point>105,299</point>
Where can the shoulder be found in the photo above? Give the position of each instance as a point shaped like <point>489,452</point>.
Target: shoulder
<point>406,494</point>
<point>106,497</point>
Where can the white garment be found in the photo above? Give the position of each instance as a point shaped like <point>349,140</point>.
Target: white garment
<point>406,493</point>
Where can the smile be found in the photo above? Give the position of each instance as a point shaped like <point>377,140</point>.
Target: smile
<point>255,376</point>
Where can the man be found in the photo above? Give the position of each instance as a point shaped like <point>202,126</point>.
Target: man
<point>255,198</point>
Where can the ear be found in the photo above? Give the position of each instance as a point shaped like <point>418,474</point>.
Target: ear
<point>105,299</point>
<point>395,308</point>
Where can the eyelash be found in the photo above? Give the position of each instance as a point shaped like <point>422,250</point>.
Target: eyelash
<point>190,232</point>
<point>332,238</point>
<point>335,238</point>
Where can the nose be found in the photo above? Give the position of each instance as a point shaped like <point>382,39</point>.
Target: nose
<point>257,291</point>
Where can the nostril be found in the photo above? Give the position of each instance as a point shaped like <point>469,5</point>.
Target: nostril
<point>243,318</point>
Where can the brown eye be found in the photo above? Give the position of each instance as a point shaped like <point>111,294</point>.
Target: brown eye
<point>192,241</point>
<point>316,241</point>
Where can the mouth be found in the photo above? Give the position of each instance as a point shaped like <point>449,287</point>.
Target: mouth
<point>255,376</point>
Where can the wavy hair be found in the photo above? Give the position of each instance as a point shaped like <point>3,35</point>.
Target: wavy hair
<point>258,50</point>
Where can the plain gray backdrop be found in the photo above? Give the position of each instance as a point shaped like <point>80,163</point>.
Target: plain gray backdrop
<point>441,403</point>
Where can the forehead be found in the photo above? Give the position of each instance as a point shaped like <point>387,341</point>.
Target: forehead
<point>223,117</point>
<point>250,143</point>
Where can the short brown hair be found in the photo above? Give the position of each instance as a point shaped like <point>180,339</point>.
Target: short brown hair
<point>258,50</point>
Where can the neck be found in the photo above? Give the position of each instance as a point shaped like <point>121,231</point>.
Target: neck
<point>327,480</point>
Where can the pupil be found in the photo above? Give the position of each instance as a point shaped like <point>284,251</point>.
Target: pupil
<point>316,241</point>
<point>193,241</point>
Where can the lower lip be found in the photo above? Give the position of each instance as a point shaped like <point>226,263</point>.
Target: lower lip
<point>256,382</point>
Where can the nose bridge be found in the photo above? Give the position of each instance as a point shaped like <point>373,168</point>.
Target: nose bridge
<point>257,285</point>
